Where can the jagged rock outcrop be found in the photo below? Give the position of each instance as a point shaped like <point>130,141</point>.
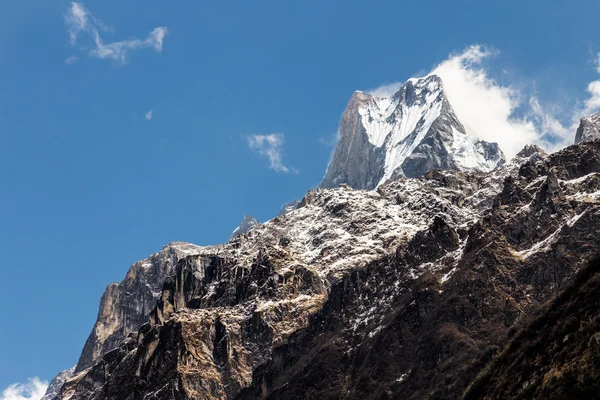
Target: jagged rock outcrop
<point>125,306</point>
<point>57,383</point>
<point>289,207</point>
<point>248,223</point>
<point>408,134</point>
<point>589,128</point>
<point>404,292</point>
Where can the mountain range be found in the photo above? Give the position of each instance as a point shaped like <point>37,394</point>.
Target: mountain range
<point>419,269</point>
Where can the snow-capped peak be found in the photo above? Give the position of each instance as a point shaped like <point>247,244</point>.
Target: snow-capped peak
<point>248,223</point>
<point>589,128</point>
<point>407,134</point>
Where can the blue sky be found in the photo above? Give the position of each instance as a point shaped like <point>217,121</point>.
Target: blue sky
<point>92,183</point>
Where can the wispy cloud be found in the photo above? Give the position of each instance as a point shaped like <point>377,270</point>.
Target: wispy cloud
<point>386,90</point>
<point>148,115</point>
<point>592,104</point>
<point>80,21</point>
<point>71,60</point>
<point>34,389</point>
<point>485,107</point>
<point>270,146</point>
<point>503,112</point>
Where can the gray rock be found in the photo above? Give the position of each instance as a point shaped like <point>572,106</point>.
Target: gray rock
<point>125,306</point>
<point>57,383</point>
<point>248,223</point>
<point>589,128</point>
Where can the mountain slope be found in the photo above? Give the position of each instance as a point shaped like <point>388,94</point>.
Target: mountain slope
<point>403,292</point>
<point>125,306</point>
<point>408,134</point>
<point>557,356</point>
<point>57,383</point>
<point>248,223</point>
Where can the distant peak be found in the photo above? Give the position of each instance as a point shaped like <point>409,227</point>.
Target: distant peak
<point>589,128</point>
<point>529,150</point>
<point>386,136</point>
<point>248,223</point>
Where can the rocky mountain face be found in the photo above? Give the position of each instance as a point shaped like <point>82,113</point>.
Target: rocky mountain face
<point>125,306</point>
<point>406,135</point>
<point>57,383</point>
<point>289,207</point>
<point>404,292</point>
<point>589,128</point>
<point>557,356</point>
<point>248,223</point>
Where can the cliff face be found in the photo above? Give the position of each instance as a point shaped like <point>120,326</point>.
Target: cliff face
<point>589,128</point>
<point>403,292</point>
<point>557,355</point>
<point>125,306</point>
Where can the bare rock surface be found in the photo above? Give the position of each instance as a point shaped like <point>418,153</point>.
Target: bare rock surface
<point>589,128</point>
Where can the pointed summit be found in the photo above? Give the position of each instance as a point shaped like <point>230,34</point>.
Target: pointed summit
<point>589,128</point>
<point>248,223</point>
<point>407,134</point>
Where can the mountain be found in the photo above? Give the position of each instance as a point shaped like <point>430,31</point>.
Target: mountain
<point>406,135</point>
<point>404,292</point>
<point>589,128</point>
<point>248,223</point>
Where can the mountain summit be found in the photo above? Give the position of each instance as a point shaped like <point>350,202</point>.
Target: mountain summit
<point>408,134</point>
<point>589,128</point>
<point>248,223</point>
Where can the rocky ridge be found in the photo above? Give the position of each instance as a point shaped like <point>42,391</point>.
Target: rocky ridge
<point>125,306</point>
<point>248,223</point>
<point>589,128</point>
<point>57,383</point>
<point>417,283</point>
<point>289,207</point>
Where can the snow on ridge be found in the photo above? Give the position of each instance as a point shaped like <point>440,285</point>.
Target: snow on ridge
<point>464,148</point>
<point>377,112</point>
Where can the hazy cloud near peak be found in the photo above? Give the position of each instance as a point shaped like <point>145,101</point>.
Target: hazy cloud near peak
<point>386,90</point>
<point>80,21</point>
<point>34,389</point>
<point>270,146</point>
<point>487,108</point>
<point>148,115</point>
<point>483,106</point>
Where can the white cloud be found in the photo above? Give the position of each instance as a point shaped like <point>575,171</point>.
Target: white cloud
<point>483,106</point>
<point>270,146</point>
<point>79,20</point>
<point>148,115</point>
<point>34,389</point>
<point>385,90</point>
<point>76,20</point>
<point>71,60</point>
<point>488,108</point>
<point>592,104</point>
